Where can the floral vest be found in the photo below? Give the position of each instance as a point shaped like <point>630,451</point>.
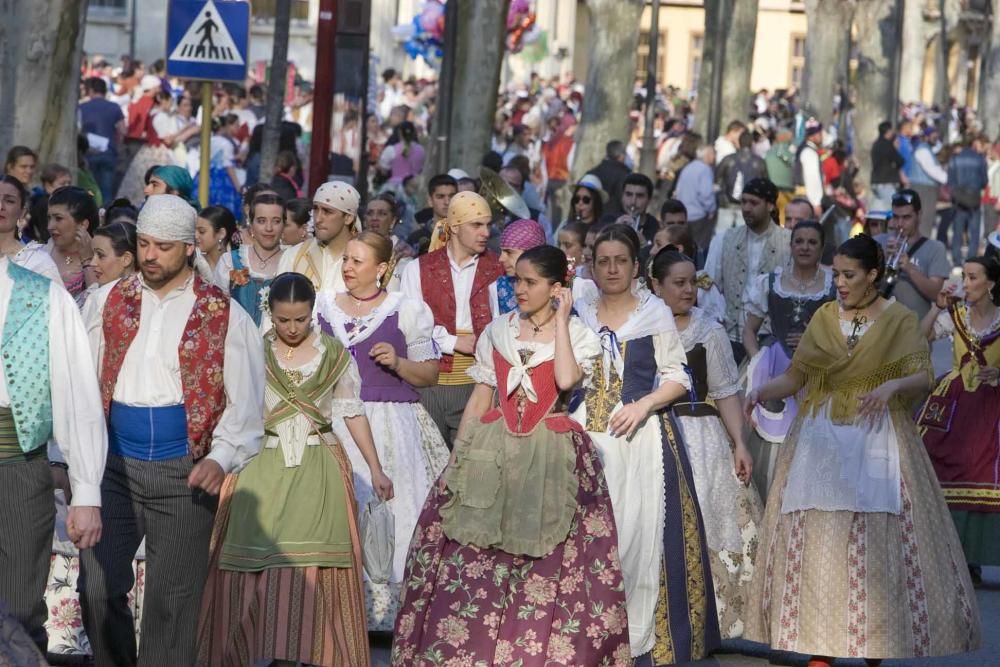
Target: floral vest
<point>201,353</point>
<point>25,350</point>
<point>439,293</point>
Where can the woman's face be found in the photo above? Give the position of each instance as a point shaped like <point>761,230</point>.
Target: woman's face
<point>11,208</point>
<point>854,285</point>
<point>678,289</point>
<point>806,247</point>
<point>206,237</point>
<point>379,217</point>
<point>23,169</point>
<point>533,291</point>
<point>614,267</point>
<point>976,284</point>
<point>570,244</point>
<point>267,225</point>
<point>508,259</point>
<point>62,227</point>
<point>293,233</point>
<point>156,186</point>
<point>360,269</point>
<point>292,321</point>
<point>106,264</point>
<point>583,204</point>
<point>184,107</point>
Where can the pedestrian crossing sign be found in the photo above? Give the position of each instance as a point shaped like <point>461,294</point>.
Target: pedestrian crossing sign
<point>207,39</point>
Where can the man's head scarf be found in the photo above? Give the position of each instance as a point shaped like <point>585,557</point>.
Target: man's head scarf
<point>177,179</point>
<point>464,207</point>
<point>167,218</point>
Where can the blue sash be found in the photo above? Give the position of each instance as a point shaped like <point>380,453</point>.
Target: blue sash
<point>148,434</point>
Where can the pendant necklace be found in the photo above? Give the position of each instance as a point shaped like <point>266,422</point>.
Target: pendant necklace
<point>537,328</point>
<point>263,262</point>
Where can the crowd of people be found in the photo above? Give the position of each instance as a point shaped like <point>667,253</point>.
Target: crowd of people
<point>610,433</point>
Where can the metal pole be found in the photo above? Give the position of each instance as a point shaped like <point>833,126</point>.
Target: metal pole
<point>323,91</point>
<point>206,142</point>
<point>647,162</point>
<point>131,36</point>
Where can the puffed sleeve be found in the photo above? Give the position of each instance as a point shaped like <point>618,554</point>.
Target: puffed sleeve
<point>670,357</point>
<point>723,376</point>
<point>346,400</point>
<point>944,326</point>
<point>483,371</point>
<point>417,324</point>
<point>221,275</point>
<point>755,296</point>
<point>586,347</point>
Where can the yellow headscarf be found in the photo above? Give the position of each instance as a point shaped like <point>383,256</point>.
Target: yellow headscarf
<point>464,207</point>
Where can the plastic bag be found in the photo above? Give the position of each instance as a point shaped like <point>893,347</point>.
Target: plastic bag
<point>378,540</point>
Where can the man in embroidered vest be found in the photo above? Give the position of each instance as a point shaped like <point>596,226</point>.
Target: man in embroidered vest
<point>756,248</point>
<point>335,216</point>
<point>454,279</point>
<point>48,390</point>
<point>182,379</point>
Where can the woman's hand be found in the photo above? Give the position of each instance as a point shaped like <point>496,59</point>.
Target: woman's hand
<point>384,354</point>
<point>876,402</point>
<point>742,463</point>
<point>749,403</point>
<point>989,375</point>
<point>382,485</point>
<point>627,420</point>
<point>84,244</point>
<point>946,296</point>
<point>564,304</point>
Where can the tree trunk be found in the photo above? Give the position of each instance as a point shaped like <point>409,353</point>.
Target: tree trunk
<point>989,85</point>
<point>610,78</point>
<point>41,43</point>
<point>706,121</point>
<point>827,52</point>
<point>738,62</point>
<point>911,75</point>
<point>271,139</point>
<point>877,34</point>
<point>479,51</point>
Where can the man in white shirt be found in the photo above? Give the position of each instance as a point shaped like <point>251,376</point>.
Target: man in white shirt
<point>335,217</point>
<point>182,379</point>
<point>753,249</point>
<point>927,175</point>
<point>728,143</point>
<point>48,390</point>
<point>454,281</point>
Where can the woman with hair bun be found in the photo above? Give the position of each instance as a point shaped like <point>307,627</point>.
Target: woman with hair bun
<point>390,338</point>
<point>960,421</point>
<point>861,556</point>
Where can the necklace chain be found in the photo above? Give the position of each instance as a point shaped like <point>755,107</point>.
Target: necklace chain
<point>537,328</point>
<point>269,257</point>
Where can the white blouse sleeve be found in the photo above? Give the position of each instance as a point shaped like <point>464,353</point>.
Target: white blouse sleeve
<point>713,303</point>
<point>723,376</point>
<point>944,327</point>
<point>586,347</point>
<point>670,358</point>
<point>222,269</point>
<point>347,394</point>
<point>417,324</point>
<point>755,297</point>
<point>483,371</point>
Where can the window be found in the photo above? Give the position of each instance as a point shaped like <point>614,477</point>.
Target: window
<point>642,62</point>
<point>697,44</point>
<point>797,62</point>
<point>266,9</point>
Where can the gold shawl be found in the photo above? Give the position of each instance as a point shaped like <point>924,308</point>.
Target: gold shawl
<point>891,348</point>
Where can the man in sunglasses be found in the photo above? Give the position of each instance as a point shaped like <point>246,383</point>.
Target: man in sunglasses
<point>923,265</point>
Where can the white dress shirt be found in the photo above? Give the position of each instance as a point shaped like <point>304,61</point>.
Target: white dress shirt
<point>462,278</point>
<point>34,258</point>
<point>77,411</point>
<point>150,374</point>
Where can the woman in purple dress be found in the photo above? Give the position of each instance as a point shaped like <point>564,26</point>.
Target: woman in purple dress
<point>390,338</point>
<point>515,559</point>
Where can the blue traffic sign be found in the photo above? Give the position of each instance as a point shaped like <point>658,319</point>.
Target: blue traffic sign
<point>207,39</point>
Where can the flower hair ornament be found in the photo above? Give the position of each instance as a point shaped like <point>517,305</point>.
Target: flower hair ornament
<point>570,272</point>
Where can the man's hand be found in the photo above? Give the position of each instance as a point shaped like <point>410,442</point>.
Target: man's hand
<point>84,526</point>
<point>208,476</point>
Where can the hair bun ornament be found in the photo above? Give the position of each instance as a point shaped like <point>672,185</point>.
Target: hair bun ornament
<point>570,271</point>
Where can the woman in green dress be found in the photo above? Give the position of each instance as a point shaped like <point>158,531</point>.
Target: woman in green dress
<point>286,578</point>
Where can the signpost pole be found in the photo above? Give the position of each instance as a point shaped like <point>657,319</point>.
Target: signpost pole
<point>206,142</point>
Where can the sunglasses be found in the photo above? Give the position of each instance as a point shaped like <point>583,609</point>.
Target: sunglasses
<point>577,200</point>
<point>902,199</point>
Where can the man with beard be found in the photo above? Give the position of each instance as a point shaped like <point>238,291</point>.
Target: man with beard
<point>182,378</point>
<point>454,279</point>
<point>335,218</point>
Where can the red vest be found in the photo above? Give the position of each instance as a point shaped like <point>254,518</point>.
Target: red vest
<point>543,379</point>
<point>439,292</point>
<point>201,352</point>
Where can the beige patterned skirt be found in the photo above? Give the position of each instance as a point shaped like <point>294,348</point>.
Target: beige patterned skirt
<point>873,585</point>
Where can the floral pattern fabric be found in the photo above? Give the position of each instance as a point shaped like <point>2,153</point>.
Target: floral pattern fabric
<point>464,605</point>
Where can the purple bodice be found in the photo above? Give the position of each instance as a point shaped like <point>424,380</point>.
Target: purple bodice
<point>379,384</point>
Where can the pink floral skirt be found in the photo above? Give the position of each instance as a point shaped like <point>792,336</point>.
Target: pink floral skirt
<point>465,605</point>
